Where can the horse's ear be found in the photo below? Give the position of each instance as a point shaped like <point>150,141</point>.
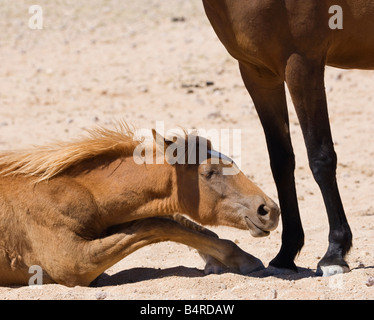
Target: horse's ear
<point>160,140</point>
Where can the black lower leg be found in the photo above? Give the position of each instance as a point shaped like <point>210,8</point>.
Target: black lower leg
<point>268,93</point>
<point>305,79</point>
<point>323,166</point>
<point>283,166</point>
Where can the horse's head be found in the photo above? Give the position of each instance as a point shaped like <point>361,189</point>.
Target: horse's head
<point>215,192</point>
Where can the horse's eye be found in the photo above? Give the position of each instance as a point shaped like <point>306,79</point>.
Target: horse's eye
<point>210,173</point>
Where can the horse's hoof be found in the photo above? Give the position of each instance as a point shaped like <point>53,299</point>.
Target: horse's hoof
<point>328,271</point>
<point>252,264</point>
<point>246,270</point>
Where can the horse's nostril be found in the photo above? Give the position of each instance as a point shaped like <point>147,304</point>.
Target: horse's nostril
<point>263,210</point>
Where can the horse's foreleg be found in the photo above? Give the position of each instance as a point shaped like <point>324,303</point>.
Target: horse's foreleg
<point>103,253</point>
<point>212,265</point>
<point>305,79</point>
<point>268,94</point>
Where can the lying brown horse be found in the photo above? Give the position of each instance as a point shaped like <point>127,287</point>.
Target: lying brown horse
<point>278,41</point>
<point>75,209</point>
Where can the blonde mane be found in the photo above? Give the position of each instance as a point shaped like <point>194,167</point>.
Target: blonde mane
<point>46,162</point>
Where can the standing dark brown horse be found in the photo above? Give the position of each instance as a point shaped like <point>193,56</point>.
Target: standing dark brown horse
<point>278,41</point>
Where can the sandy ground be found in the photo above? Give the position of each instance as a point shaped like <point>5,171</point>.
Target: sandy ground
<point>96,62</point>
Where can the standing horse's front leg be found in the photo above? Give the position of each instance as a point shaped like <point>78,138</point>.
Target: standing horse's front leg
<point>268,94</point>
<point>305,79</point>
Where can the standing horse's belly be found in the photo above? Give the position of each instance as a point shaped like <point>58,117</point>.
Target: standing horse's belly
<point>353,46</point>
<point>351,52</point>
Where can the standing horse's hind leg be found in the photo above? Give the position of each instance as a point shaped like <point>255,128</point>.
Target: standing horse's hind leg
<point>305,79</point>
<point>268,94</point>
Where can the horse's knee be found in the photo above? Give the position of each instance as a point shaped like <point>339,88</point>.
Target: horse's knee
<point>323,164</point>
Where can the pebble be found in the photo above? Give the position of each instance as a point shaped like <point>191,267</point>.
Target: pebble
<point>49,71</point>
<point>370,282</point>
<point>214,115</point>
<point>178,19</point>
<point>100,295</point>
<point>143,89</point>
<point>360,265</point>
<point>273,295</point>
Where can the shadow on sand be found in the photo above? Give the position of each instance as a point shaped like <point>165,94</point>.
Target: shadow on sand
<point>135,275</point>
<point>142,274</point>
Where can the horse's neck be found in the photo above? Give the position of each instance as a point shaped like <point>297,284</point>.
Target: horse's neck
<point>125,191</point>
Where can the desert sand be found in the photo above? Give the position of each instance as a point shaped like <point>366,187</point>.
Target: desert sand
<point>100,61</point>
